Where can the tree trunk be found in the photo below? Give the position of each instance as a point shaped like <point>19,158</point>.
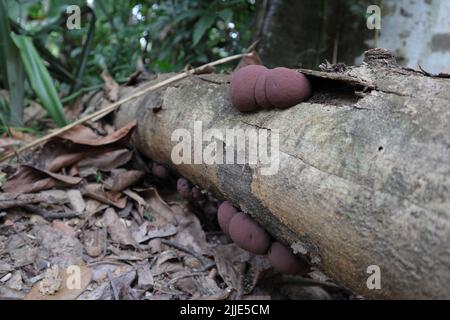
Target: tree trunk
<point>364,174</point>
<point>418,32</point>
<point>303,33</point>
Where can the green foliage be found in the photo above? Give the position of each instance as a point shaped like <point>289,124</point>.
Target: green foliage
<point>122,36</point>
<point>40,79</point>
<point>13,73</point>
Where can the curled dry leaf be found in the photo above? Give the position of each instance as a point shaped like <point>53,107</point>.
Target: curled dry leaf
<point>190,231</point>
<point>81,143</point>
<point>106,161</point>
<point>150,199</point>
<point>145,276</point>
<point>230,261</point>
<point>86,136</point>
<point>96,192</point>
<point>30,179</point>
<point>117,229</point>
<point>146,232</point>
<point>122,179</point>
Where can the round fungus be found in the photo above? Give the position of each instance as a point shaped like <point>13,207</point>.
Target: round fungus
<point>260,91</point>
<point>184,188</point>
<point>286,87</point>
<point>159,171</point>
<point>242,87</point>
<point>224,215</point>
<point>284,261</point>
<point>248,235</point>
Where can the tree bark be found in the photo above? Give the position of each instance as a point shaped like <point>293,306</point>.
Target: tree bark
<point>364,175</point>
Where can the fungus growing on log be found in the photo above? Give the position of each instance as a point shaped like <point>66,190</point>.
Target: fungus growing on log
<point>255,86</point>
<point>248,235</point>
<point>260,91</point>
<point>242,87</point>
<point>283,260</point>
<point>286,88</point>
<point>224,215</point>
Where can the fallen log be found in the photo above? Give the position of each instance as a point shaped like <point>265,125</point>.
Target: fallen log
<point>364,170</point>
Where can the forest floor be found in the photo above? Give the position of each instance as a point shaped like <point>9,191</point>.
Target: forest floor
<point>85,216</point>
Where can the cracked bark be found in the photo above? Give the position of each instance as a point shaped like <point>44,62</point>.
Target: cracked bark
<point>363,180</point>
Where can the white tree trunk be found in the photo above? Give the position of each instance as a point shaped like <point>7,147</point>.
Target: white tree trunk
<point>418,32</point>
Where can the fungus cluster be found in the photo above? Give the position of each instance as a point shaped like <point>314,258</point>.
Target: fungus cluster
<point>248,235</point>
<point>204,201</point>
<point>243,230</point>
<point>256,87</point>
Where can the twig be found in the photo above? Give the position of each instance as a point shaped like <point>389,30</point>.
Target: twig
<point>173,281</point>
<point>11,201</point>
<point>184,249</point>
<point>252,46</point>
<point>113,106</point>
<point>48,215</point>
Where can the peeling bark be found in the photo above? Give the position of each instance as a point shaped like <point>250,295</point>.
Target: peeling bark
<point>364,174</point>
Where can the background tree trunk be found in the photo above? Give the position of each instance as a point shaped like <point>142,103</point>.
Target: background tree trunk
<point>304,33</point>
<point>364,174</point>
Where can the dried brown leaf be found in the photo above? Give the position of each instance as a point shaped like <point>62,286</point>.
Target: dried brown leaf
<point>31,179</point>
<point>96,192</point>
<point>121,179</point>
<point>117,229</point>
<point>86,136</point>
<point>230,261</point>
<point>106,161</point>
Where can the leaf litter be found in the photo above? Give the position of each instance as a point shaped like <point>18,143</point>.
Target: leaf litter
<point>83,217</point>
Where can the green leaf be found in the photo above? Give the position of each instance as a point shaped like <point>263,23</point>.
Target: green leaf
<point>201,27</point>
<point>85,53</point>
<point>40,79</point>
<point>13,72</point>
<point>226,15</point>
